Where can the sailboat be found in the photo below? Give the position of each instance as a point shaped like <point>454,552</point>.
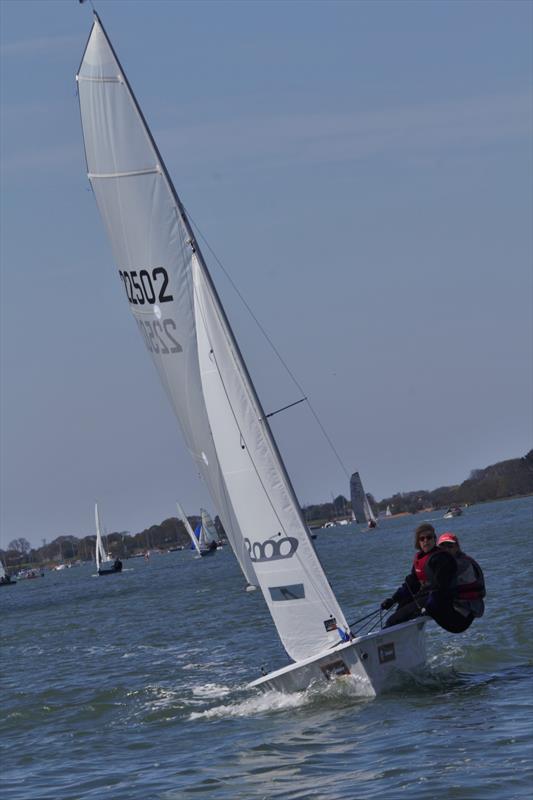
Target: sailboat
<point>105,565</point>
<point>453,511</point>
<point>208,537</point>
<point>5,579</point>
<point>185,328</point>
<point>203,538</point>
<point>361,508</point>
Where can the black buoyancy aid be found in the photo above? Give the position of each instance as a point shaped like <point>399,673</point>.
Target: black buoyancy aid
<point>419,565</point>
<point>467,587</point>
<point>469,583</point>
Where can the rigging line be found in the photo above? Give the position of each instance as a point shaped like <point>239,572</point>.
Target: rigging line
<point>270,342</point>
<point>306,571</point>
<point>273,413</point>
<point>372,613</point>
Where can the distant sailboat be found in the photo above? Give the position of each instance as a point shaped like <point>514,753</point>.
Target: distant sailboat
<point>203,538</point>
<point>388,512</point>
<point>361,508</point>
<point>105,565</point>
<point>208,534</point>
<point>453,511</point>
<point>185,328</point>
<point>5,579</point>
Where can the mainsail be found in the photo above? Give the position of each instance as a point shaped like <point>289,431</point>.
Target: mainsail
<point>188,528</point>
<point>361,508</point>
<point>209,532</point>
<point>179,314</point>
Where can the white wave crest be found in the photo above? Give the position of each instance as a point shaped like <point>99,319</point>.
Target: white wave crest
<point>210,690</point>
<point>258,704</point>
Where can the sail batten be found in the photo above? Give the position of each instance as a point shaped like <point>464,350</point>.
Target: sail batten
<point>98,80</point>
<point>185,328</point>
<point>131,174</point>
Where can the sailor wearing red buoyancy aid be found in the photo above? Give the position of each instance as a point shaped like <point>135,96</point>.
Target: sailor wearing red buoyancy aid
<point>415,588</point>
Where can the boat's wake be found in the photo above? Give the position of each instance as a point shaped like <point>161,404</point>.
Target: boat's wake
<point>259,703</point>
<point>337,693</point>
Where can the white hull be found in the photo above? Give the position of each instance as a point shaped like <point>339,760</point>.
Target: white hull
<point>373,662</point>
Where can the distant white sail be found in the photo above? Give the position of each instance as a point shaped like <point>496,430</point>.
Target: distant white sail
<point>101,556</point>
<point>179,315</point>
<point>188,528</point>
<point>209,532</point>
<point>2,571</point>
<point>369,514</point>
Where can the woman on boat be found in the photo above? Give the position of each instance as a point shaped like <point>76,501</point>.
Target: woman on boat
<point>413,592</point>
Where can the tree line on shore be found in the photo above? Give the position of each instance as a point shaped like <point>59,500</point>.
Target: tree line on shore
<point>505,479</point>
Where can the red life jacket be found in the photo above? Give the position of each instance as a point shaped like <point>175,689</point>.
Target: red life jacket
<point>419,565</point>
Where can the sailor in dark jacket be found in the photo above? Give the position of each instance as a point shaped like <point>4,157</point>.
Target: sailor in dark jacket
<point>457,586</point>
<point>412,594</point>
<point>454,591</point>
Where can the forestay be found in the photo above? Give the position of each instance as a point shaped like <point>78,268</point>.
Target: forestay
<point>178,313</point>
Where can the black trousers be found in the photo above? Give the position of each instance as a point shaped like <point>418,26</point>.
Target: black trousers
<point>405,612</point>
<point>442,611</point>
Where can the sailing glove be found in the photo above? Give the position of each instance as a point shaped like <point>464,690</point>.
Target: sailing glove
<point>388,603</point>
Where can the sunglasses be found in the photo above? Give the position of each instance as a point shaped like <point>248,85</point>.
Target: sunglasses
<point>425,538</point>
<point>448,545</point>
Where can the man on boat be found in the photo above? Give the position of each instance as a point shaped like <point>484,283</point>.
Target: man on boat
<point>117,565</point>
<point>453,590</point>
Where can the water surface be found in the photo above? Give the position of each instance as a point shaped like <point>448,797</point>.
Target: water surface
<point>133,687</point>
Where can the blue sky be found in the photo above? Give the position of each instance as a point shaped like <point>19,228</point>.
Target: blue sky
<point>363,171</point>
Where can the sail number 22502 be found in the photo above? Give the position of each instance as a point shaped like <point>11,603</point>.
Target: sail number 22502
<point>146,286</point>
<point>150,287</point>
